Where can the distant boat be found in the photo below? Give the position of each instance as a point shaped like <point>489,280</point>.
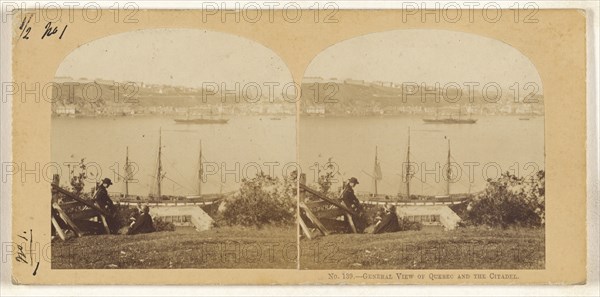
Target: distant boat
<point>201,121</point>
<point>527,118</point>
<point>450,120</point>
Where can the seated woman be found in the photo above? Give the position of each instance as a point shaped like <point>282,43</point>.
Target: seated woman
<point>389,221</point>
<point>143,224</point>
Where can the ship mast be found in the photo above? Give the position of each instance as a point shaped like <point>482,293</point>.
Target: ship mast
<point>448,171</point>
<point>200,170</point>
<point>127,172</point>
<point>408,167</point>
<point>375,174</point>
<point>159,173</point>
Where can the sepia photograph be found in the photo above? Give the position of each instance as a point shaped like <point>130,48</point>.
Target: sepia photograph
<point>165,138</point>
<point>293,146</point>
<point>424,154</point>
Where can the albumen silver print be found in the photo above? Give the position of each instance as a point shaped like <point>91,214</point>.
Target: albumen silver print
<point>290,146</point>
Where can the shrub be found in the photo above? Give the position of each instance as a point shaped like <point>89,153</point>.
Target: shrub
<point>263,200</point>
<point>510,201</point>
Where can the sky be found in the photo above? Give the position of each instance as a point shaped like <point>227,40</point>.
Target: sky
<point>182,57</point>
<point>425,55</point>
<point>189,57</point>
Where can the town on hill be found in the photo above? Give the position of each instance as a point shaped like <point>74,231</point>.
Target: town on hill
<point>363,98</point>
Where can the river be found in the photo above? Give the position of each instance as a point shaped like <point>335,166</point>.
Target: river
<point>492,145</point>
<point>230,151</point>
<point>248,144</point>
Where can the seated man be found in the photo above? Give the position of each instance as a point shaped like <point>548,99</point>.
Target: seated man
<point>103,199</point>
<point>389,221</point>
<point>348,196</point>
<point>143,224</point>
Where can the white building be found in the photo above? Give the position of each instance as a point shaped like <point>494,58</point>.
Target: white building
<point>183,216</point>
<point>65,110</point>
<point>430,215</point>
<point>315,109</point>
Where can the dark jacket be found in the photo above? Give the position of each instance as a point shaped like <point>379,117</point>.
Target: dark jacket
<point>389,223</point>
<point>349,198</point>
<point>143,224</point>
<point>104,200</point>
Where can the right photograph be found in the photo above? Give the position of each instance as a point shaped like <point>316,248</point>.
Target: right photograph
<point>421,149</point>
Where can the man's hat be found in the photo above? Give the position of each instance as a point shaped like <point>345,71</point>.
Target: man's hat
<point>390,207</point>
<point>353,180</point>
<point>107,181</point>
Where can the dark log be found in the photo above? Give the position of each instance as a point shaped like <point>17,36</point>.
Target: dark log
<point>66,219</point>
<point>311,216</point>
<point>75,197</point>
<point>330,201</point>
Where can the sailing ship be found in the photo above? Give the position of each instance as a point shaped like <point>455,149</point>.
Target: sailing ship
<point>128,173</point>
<point>407,197</point>
<point>157,195</point>
<point>200,121</point>
<point>450,119</point>
<point>199,197</point>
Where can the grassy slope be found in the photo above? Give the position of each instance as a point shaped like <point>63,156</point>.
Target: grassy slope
<point>427,249</point>
<point>234,247</point>
<point>227,247</point>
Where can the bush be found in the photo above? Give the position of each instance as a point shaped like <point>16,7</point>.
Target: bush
<point>262,200</point>
<point>510,201</point>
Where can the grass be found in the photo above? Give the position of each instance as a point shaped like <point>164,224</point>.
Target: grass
<point>275,248</point>
<point>468,248</point>
<point>224,247</point>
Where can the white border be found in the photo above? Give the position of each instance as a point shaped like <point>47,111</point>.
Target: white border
<point>592,288</point>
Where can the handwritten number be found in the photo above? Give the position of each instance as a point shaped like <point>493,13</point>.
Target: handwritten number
<point>21,250</point>
<point>25,29</point>
<point>63,32</point>
<point>36,268</point>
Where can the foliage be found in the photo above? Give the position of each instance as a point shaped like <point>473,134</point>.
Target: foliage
<point>326,177</point>
<point>263,200</point>
<point>510,201</point>
<point>78,178</point>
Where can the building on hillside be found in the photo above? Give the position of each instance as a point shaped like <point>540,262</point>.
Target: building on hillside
<point>63,79</point>
<point>359,82</point>
<point>430,215</point>
<point>506,109</point>
<point>108,82</point>
<point>315,109</point>
<point>65,110</point>
<point>312,79</point>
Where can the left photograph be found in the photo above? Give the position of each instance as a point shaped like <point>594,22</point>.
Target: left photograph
<point>163,143</point>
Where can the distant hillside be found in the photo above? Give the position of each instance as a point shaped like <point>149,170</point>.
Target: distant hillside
<point>344,97</point>
<point>87,97</point>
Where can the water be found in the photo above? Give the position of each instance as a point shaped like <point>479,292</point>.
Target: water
<point>491,145</point>
<point>246,142</point>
